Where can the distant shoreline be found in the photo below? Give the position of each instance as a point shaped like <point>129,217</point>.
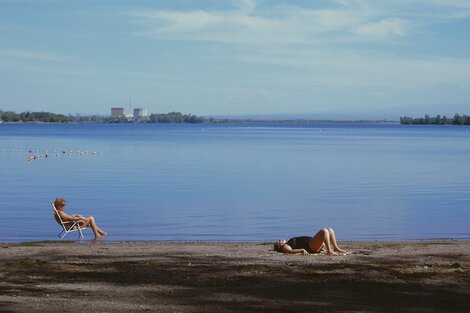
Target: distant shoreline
<point>180,118</point>
<point>307,121</point>
<point>230,121</point>
<point>174,118</point>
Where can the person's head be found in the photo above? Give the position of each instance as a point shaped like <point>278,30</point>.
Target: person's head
<point>278,245</point>
<point>59,203</point>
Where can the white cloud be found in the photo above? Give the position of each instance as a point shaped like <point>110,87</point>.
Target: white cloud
<point>320,42</point>
<point>281,24</point>
<point>226,27</point>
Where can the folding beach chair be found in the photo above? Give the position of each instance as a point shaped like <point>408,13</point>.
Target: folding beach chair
<point>67,227</point>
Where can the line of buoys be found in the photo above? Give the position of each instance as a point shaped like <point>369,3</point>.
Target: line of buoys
<point>67,153</point>
<point>35,154</point>
<point>12,150</point>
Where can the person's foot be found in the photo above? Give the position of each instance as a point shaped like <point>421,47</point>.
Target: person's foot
<point>331,253</point>
<point>342,252</point>
<point>98,238</point>
<point>103,233</point>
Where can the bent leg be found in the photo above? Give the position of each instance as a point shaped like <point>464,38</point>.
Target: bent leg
<point>99,233</point>
<point>102,232</point>
<point>322,238</point>
<point>333,241</point>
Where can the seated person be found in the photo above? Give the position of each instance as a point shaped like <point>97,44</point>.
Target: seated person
<point>83,221</point>
<point>305,245</point>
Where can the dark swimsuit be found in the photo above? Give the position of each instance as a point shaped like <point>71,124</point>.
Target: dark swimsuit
<point>302,242</point>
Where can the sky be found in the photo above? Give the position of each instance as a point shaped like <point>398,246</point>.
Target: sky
<point>321,59</point>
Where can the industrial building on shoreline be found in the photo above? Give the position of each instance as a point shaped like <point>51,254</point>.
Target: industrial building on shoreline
<point>140,114</point>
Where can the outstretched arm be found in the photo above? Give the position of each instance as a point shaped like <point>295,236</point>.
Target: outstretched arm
<point>288,249</point>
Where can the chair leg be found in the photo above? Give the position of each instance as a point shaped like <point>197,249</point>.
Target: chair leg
<point>80,234</point>
<point>70,229</point>
<point>62,234</point>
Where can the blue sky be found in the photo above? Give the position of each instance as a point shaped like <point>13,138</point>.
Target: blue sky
<point>337,58</point>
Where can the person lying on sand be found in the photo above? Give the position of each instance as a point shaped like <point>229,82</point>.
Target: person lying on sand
<point>306,245</point>
<point>59,204</point>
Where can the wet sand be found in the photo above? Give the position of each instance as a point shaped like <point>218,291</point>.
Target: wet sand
<point>418,276</point>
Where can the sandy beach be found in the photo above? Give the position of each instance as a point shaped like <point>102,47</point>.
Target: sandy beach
<point>417,276</point>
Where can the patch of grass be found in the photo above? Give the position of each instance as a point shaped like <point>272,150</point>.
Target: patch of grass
<point>29,244</point>
<point>435,243</point>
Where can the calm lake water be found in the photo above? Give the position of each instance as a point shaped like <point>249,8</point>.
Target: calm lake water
<point>237,182</point>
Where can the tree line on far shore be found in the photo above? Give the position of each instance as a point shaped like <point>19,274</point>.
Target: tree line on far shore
<point>175,117</point>
<point>436,120</point>
<point>44,117</point>
<point>178,117</point>
<point>47,117</point>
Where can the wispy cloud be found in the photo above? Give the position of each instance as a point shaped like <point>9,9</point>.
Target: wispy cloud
<point>385,28</point>
<point>324,68</point>
<point>245,22</point>
<point>281,24</point>
<point>251,51</point>
<point>424,11</point>
<point>326,43</point>
<point>30,55</point>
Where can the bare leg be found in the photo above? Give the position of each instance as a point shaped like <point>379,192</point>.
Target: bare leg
<point>99,233</point>
<point>99,230</point>
<point>333,241</point>
<point>102,232</point>
<point>322,238</point>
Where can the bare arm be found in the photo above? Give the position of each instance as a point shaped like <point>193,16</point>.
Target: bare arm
<point>288,249</point>
<point>70,218</point>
